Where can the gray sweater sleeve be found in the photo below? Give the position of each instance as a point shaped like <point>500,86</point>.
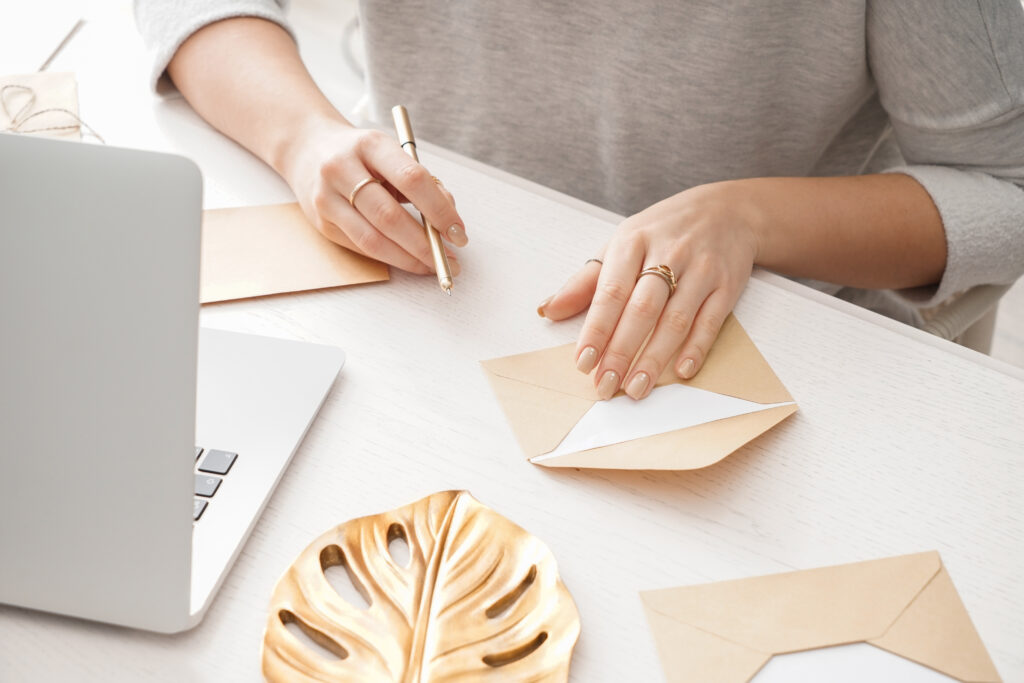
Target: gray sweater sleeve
<point>950,75</point>
<point>166,24</point>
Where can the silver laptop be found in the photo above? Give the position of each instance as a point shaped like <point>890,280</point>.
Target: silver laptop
<point>136,450</point>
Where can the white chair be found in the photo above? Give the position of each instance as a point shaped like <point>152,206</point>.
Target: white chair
<point>970,319</point>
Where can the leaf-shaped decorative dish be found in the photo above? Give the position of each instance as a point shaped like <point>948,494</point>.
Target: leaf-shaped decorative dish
<point>479,599</point>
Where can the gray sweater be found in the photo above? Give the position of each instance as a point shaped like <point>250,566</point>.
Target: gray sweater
<point>623,104</point>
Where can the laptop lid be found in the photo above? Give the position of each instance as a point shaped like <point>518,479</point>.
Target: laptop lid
<point>99,272</point>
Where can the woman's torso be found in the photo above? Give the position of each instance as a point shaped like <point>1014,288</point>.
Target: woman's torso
<point>624,104</point>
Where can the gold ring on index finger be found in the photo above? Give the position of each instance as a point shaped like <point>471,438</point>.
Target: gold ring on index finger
<point>360,185</point>
<point>664,272</point>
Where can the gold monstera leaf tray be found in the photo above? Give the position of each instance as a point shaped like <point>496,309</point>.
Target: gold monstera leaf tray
<point>476,599</point>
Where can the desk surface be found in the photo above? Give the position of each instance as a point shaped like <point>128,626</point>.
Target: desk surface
<point>902,443</point>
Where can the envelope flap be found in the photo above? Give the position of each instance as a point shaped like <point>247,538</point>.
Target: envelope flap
<point>540,417</point>
<point>690,654</point>
<point>684,449</point>
<point>734,367</point>
<point>552,368</point>
<point>807,609</point>
<point>936,631</point>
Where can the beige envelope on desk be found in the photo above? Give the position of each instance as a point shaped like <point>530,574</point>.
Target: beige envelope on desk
<point>259,250</point>
<point>725,632</point>
<point>44,104</point>
<point>560,422</point>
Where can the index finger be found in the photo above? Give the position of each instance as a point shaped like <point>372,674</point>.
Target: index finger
<point>614,286</point>
<point>414,181</point>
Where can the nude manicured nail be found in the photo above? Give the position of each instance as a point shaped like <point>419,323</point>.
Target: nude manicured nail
<point>454,265</point>
<point>638,385</point>
<point>608,385</point>
<point>543,305</point>
<point>587,360</point>
<point>457,235</point>
<point>685,369</point>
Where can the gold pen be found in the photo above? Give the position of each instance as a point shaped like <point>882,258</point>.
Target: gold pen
<point>408,142</point>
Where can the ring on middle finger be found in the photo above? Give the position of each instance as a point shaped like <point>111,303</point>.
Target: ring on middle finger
<point>664,272</point>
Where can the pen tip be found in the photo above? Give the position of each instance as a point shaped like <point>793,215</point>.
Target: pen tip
<point>448,291</point>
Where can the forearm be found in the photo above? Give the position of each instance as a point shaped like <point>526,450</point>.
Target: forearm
<point>876,231</point>
<point>246,78</point>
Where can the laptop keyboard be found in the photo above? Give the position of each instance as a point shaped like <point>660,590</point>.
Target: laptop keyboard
<point>211,466</point>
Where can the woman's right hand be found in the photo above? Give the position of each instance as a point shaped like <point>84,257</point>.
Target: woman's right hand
<point>331,158</point>
<point>245,76</point>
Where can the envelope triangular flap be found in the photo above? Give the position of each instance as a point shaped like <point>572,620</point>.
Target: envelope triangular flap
<point>552,368</point>
<point>804,610</point>
<point>537,415</point>
<point>936,631</point>
<point>734,367</point>
<point>683,449</point>
<point>690,654</point>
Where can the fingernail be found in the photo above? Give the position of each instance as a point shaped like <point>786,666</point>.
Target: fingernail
<point>457,235</point>
<point>454,265</point>
<point>587,360</point>
<point>543,305</point>
<point>608,385</point>
<point>638,385</point>
<point>685,369</point>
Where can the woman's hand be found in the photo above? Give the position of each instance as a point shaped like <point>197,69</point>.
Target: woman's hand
<point>707,236</point>
<point>244,75</point>
<point>331,158</point>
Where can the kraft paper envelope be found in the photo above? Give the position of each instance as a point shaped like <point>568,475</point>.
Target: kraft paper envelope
<point>727,631</point>
<point>260,250</point>
<point>683,424</point>
<point>53,96</point>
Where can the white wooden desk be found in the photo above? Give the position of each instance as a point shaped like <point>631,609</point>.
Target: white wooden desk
<point>902,443</point>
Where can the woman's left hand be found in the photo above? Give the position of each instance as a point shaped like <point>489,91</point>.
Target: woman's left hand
<point>707,236</point>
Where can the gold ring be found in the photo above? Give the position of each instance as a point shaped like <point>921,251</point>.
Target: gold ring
<point>437,180</point>
<point>360,185</point>
<point>664,272</point>
<point>593,260</point>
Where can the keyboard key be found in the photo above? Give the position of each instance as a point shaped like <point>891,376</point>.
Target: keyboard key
<point>217,462</point>
<point>198,508</point>
<point>206,485</point>
<point>199,451</point>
